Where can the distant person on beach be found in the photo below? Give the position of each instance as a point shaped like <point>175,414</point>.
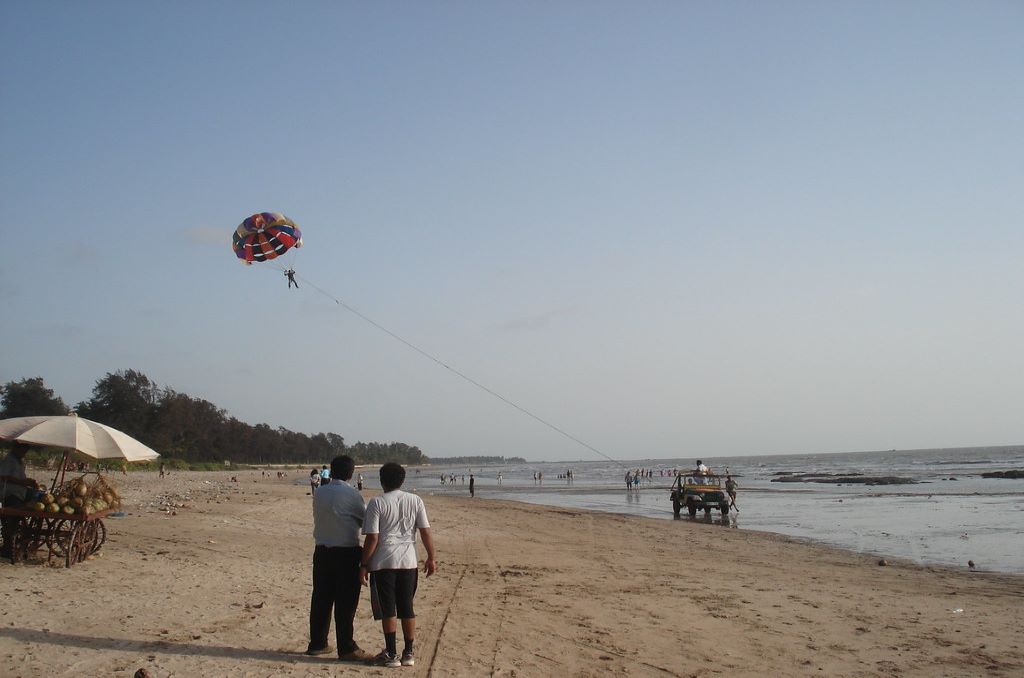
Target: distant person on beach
<point>359,483</point>
<point>629,480</point>
<point>163,471</point>
<point>472,485</point>
<point>730,489</point>
<point>325,476</point>
<point>314,481</point>
<point>388,563</point>
<point>290,274</point>
<point>338,513</point>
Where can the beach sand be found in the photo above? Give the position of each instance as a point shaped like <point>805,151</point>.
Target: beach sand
<point>205,577</point>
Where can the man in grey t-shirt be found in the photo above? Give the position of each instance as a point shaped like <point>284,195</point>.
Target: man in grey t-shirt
<point>337,519</point>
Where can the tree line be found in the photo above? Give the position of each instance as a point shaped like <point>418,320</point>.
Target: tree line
<point>193,430</point>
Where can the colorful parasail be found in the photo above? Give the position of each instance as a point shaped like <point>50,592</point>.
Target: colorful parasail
<point>265,236</point>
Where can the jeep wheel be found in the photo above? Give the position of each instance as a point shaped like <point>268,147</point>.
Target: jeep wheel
<point>725,509</point>
<point>707,511</point>
<point>691,508</point>
<point>675,507</point>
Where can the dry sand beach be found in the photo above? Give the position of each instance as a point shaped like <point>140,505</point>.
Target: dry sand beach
<point>205,577</point>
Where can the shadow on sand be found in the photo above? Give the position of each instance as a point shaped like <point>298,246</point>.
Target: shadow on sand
<point>157,646</point>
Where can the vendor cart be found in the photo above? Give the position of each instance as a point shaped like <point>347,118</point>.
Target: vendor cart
<point>71,536</point>
<point>68,537</point>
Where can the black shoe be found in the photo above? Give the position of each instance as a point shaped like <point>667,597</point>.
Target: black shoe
<point>316,652</point>
<point>356,654</point>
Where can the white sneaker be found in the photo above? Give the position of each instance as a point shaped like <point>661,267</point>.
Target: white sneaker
<point>385,658</point>
<point>408,659</point>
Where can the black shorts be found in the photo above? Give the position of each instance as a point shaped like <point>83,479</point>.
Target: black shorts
<point>391,593</point>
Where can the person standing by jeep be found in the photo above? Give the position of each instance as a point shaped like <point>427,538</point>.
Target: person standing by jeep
<point>388,563</point>
<point>730,489</point>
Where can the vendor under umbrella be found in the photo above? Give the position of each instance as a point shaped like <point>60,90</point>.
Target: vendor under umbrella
<point>15,488</point>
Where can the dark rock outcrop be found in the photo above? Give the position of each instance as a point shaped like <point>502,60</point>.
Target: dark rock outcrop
<point>852,479</point>
<point>1015,474</point>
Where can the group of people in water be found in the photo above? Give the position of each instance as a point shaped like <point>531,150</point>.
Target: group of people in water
<point>323,477</point>
<point>633,478</point>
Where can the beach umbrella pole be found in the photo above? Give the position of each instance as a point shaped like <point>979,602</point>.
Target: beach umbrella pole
<point>60,471</point>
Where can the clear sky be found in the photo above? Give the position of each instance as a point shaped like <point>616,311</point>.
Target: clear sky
<point>670,228</point>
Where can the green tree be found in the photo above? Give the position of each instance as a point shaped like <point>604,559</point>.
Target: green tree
<point>124,400</point>
<point>29,398</point>
<point>188,428</point>
<point>191,429</point>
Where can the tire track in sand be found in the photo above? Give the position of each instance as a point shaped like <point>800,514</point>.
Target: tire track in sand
<point>447,613</point>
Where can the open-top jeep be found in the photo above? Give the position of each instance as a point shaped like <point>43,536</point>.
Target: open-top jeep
<point>699,493</point>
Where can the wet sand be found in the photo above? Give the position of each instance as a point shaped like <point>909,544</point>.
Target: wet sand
<point>205,577</point>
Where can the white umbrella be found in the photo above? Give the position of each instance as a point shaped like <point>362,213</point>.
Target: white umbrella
<point>72,432</point>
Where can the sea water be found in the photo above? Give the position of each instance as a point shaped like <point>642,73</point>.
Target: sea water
<point>948,515</point>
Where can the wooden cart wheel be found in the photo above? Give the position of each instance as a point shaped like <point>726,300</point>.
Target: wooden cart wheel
<point>19,536</point>
<point>76,548</point>
<point>35,536</point>
<point>101,536</point>
<point>87,537</point>
<point>57,535</point>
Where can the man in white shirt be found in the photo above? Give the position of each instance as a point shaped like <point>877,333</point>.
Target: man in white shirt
<point>337,518</point>
<point>702,471</point>
<point>389,553</point>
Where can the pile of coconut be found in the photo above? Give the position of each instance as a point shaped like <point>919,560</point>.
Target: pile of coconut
<point>80,496</point>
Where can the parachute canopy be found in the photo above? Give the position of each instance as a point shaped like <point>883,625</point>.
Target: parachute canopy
<point>265,236</point>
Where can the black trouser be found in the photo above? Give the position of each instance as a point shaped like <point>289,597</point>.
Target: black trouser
<point>10,524</point>
<point>335,584</point>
